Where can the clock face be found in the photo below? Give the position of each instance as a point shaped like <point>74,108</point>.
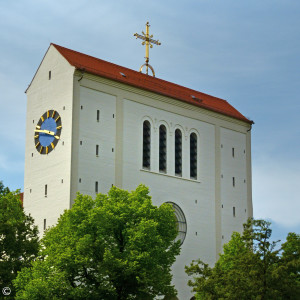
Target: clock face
<point>47,132</point>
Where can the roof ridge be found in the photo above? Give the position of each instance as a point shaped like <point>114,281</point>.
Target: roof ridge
<point>125,75</point>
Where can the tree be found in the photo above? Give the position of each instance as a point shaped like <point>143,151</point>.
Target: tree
<point>3,190</point>
<point>18,237</point>
<point>118,246</point>
<point>251,267</point>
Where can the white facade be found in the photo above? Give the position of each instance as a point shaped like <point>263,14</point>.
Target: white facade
<point>214,204</point>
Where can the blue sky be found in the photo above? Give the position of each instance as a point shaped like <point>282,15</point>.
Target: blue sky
<point>247,52</point>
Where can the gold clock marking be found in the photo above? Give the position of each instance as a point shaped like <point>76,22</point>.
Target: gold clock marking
<point>47,114</point>
<point>42,118</point>
<point>37,144</point>
<point>38,127</point>
<point>41,149</point>
<point>36,136</point>
<point>52,145</point>
<point>57,118</point>
<point>59,127</point>
<point>53,113</point>
<point>57,137</point>
<point>47,149</point>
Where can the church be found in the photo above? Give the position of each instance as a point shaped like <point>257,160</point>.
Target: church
<point>92,124</point>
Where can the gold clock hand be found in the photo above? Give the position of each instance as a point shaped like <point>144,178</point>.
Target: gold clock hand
<point>45,131</point>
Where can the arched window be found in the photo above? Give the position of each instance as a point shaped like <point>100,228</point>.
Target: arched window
<point>181,222</point>
<point>193,155</point>
<point>178,152</point>
<point>146,144</point>
<point>162,148</point>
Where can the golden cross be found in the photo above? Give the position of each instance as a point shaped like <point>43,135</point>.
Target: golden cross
<point>147,40</point>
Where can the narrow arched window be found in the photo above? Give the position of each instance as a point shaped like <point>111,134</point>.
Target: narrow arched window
<point>178,152</point>
<point>162,148</point>
<point>193,156</point>
<point>146,144</point>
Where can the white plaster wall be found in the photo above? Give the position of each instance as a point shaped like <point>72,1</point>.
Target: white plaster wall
<point>51,169</point>
<point>233,196</point>
<point>195,197</point>
<point>103,133</point>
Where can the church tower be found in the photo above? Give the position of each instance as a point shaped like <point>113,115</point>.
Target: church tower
<point>92,124</point>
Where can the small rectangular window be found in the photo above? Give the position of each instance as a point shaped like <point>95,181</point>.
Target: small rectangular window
<point>98,115</point>
<point>233,181</point>
<point>232,152</point>
<point>233,211</point>
<point>79,180</point>
<point>49,75</point>
<point>46,190</point>
<point>97,150</point>
<point>80,142</point>
<point>96,186</point>
<point>45,224</point>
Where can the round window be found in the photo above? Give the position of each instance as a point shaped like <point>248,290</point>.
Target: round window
<point>181,222</point>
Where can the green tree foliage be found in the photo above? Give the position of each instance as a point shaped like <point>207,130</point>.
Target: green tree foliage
<point>3,190</point>
<point>118,246</point>
<point>251,267</point>
<point>18,237</point>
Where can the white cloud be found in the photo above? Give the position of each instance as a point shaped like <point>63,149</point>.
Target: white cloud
<point>276,191</point>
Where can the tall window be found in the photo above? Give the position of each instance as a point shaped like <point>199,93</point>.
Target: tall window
<point>146,144</point>
<point>162,148</point>
<point>178,152</point>
<point>98,115</point>
<point>97,150</point>
<point>193,155</point>
<point>96,187</point>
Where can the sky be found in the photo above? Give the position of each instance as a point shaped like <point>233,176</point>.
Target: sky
<point>247,52</point>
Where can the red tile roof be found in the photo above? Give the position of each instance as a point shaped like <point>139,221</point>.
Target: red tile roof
<point>112,71</point>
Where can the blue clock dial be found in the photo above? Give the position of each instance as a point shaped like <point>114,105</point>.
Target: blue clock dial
<point>45,138</point>
<point>47,132</point>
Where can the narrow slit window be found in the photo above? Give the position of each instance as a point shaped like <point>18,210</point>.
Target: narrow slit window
<point>193,156</point>
<point>232,152</point>
<point>233,211</point>
<point>49,75</point>
<point>146,144</point>
<point>45,224</point>
<point>96,186</point>
<point>46,190</point>
<point>162,148</point>
<point>178,152</point>
<point>233,181</point>
<point>97,150</point>
<point>98,115</point>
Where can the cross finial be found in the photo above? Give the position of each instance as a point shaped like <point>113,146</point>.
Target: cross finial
<point>147,40</point>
